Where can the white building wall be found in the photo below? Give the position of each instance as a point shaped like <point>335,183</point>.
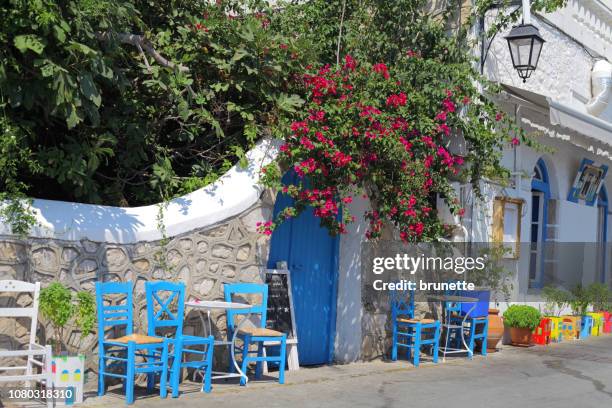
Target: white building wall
<point>349,308</point>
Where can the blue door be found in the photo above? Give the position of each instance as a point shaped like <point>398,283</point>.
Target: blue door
<point>312,256</point>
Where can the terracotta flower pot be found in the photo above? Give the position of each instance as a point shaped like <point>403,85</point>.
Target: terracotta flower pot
<point>496,330</point>
<point>520,336</point>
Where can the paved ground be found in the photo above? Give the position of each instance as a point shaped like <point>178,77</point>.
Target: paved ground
<point>573,374</point>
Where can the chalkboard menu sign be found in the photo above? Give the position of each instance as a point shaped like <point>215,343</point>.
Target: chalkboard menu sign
<point>280,316</point>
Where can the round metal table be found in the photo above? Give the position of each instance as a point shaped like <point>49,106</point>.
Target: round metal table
<point>447,324</point>
<point>210,305</point>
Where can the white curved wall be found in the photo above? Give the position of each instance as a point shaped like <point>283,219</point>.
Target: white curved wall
<point>233,193</point>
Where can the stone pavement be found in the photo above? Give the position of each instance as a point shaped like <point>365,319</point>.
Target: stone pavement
<point>572,374</point>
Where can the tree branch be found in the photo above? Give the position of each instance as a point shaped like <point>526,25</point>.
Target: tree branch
<point>141,43</point>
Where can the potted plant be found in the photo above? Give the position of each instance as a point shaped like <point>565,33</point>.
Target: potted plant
<point>557,300</point>
<point>60,306</point>
<point>496,277</point>
<point>522,320</point>
<point>600,295</point>
<point>581,299</point>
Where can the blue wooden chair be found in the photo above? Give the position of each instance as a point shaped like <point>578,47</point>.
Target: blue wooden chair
<point>586,326</point>
<point>165,310</point>
<point>475,326</point>
<point>121,352</point>
<point>410,332</point>
<point>259,335</point>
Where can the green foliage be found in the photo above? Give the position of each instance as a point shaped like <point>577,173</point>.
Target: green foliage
<point>56,304</point>
<point>495,276</point>
<point>522,316</point>
<point>580,299</point>
<point>87,117</point>
<point>601,297</point>
<point>556,300</point>
<point>59,307</point>
<point>85,312</point>
<point>400,168</point>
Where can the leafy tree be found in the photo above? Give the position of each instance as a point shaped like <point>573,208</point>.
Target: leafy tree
<point>132,102</point>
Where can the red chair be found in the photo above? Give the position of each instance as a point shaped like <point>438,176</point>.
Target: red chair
<point>607,322</point>
<point>541,335</point>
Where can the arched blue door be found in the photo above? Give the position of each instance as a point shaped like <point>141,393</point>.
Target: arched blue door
<point>312,256</point>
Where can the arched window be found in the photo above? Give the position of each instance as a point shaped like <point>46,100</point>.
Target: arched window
<point>540,194</point>
<point>602,233</point>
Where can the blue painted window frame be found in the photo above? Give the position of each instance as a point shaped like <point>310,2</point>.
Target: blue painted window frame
<point>602,201</point>
<point>571,196</point>
<point>542,186</point>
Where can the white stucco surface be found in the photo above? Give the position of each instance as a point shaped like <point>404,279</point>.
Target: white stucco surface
<point>232,194</point>
<point>349,310</point>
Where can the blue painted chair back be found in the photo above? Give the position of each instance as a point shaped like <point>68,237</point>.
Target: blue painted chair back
<point>402,303</point>
<point>481,309</point>
<point>112,315</point>
<point>161,297</point>
<point>246,289</point>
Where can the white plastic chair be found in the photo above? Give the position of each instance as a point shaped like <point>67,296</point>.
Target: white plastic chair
<point>33,350</point>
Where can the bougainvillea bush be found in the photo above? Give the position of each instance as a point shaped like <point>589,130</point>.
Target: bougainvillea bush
<point>375,130</point>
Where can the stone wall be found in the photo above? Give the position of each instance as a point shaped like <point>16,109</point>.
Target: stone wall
<point>204,259</point>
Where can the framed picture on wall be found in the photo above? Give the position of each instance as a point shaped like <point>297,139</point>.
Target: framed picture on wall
<point>587,183</point>
<point>507,224</point>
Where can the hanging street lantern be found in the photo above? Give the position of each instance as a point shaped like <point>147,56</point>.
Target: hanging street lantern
<point>525,44</point>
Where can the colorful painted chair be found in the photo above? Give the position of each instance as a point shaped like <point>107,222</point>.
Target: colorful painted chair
<point>598,322</point>
<point>165,310</point>
<point>570,324</point>
<point>409,332</point>
<point>607,323</point>
<point>256,334</point>
<point>115,310</point>
<point>586,326</point>
<point>556,326</point>
<point>542,333</point>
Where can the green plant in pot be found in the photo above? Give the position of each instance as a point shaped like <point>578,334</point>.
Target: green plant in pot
<point>601,297</point>
<point>522,321</point>
<point>581,299</point>
<point>61,306</point>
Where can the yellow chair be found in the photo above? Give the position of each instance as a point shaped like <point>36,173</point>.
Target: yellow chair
<point>556,333</point>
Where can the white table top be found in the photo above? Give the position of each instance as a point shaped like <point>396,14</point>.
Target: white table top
<point>216,304</point>
<point>453,298</point>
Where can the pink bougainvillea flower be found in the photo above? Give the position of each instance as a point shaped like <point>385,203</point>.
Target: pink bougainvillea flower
<point>349,63</point>
<point>441,116</point>
<point>397,100</point>
<point>317,116</point>
<point>499,116</point>
<point>428,161</point>
<point>515,141</point>
<point>381,69</point>
<point>307,143</point>
<point>443,128</point>
<point>449,105</point>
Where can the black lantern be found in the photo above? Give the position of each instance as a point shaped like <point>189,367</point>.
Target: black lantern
<point>525,46</point>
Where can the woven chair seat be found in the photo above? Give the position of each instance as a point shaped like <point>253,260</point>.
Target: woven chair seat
<point>422,321</point>
<point>138,339</point>
<point>260,332</point>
